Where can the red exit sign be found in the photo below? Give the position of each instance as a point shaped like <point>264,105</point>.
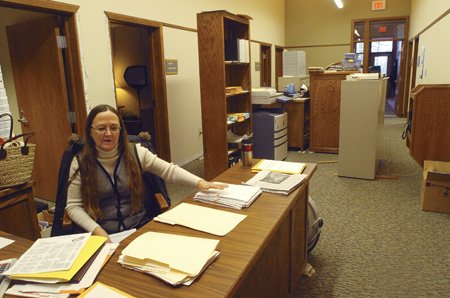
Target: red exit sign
<point>379,5</point>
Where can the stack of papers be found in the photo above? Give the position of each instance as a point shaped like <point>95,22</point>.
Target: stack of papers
<point>234,196</point>
<point>276,182</point>
<point>200,218</point>
<point>279,166</point>
<point>55,265</point>
<point>174,259</point>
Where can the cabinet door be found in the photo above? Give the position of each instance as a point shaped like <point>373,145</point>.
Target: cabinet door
<point>325,105</point>
<point>18,216</point>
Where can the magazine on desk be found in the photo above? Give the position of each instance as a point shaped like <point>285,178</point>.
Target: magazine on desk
<point>276,182</point>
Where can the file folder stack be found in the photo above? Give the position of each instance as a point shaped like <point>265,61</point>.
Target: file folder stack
<point>234,196</point>
<point>66,263</point>
<point>174,259</point>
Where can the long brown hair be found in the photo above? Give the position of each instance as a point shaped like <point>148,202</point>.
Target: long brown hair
<point>88,164</point>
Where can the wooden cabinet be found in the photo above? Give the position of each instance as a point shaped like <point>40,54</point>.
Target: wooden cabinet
<point>18,213</point>
<point>325,100</point>
<point>298,122</point>
<point>428,120</point>
<point>218,33</point>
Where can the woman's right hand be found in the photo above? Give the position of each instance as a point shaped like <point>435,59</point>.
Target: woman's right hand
<point>98,231</point>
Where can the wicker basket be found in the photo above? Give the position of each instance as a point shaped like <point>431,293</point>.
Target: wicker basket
<point>16,160</point>
<point>16,168</point>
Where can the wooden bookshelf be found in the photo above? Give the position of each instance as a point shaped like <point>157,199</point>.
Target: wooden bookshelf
<point>215,29</point>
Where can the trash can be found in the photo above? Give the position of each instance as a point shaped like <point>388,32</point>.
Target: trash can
<point>315,224</point>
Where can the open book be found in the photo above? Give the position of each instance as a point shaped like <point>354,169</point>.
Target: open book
<point>277,182</point>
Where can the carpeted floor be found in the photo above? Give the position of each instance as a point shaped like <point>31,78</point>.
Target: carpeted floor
<point>376,241</point>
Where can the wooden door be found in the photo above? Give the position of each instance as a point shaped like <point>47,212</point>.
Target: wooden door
<point>266,63</point>
<point>278,65</point>
<point>41,96</point>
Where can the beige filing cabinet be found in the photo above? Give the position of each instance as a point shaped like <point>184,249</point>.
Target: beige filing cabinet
<point>361,127</point>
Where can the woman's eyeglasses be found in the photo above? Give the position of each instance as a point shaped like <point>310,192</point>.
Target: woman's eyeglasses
<point>104,129</point>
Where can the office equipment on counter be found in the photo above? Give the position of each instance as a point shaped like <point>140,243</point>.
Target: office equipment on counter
<point>264,95</point>
<point>235,196</point>
<point>270,135</point>
<point>200,218</point>
<point>294,63</point>
<point>287,167</point>
<point>298,81</point>
<point>362,76</point>
<point>276,182</point>
<point>175,259</point>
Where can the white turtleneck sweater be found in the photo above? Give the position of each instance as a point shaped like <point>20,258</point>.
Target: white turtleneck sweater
<point>149,161</point>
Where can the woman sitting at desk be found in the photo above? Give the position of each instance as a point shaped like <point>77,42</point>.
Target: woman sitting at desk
<point>105,193</point>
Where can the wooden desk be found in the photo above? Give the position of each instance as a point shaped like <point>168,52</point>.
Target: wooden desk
<point>18,213</point>
<point>264,256</point>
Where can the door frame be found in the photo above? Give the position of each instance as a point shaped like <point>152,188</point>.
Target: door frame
<point>400,107</point>
<point>73,70</point>
<point>265,62</point>
<point>278,64</point>
<point>158,78</point>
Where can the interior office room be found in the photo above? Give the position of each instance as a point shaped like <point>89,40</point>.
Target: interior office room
<point>377,239</point>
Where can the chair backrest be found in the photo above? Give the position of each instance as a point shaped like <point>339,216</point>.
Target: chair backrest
<point>155,184</point>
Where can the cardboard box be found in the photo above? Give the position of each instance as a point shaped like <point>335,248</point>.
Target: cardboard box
<point>435,195</point>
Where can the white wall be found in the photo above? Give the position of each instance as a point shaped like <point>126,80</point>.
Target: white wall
<point>183,90</point>
<point>320,22</point>
<point>435,41</point>
<point>183,96</point>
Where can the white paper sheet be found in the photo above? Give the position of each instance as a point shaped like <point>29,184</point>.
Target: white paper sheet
<point>5,242</point>
<point>50,254</point>
<point>117,237</point>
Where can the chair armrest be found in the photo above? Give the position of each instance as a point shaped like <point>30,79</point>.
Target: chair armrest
<point>161,202</point>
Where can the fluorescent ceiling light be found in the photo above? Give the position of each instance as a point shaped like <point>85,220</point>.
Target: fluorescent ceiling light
<point>339,3</point>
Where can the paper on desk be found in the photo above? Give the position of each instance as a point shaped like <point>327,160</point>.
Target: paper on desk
<point>117,237</point>
<point>200,218</point>
<point>92,245</point>
<point>88,279</point>
<point>184,253</point>
<point>5,242</point>
<point>101,290</point>
<point>50,254</point>
<point>279,166</point>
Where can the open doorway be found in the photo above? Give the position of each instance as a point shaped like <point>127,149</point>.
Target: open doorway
<point>380,45</point>
<point>139,78</point>
<point>43,81</point>
<point>266,65</point>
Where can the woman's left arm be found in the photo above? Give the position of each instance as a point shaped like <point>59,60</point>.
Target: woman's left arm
<point>172,173</point>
